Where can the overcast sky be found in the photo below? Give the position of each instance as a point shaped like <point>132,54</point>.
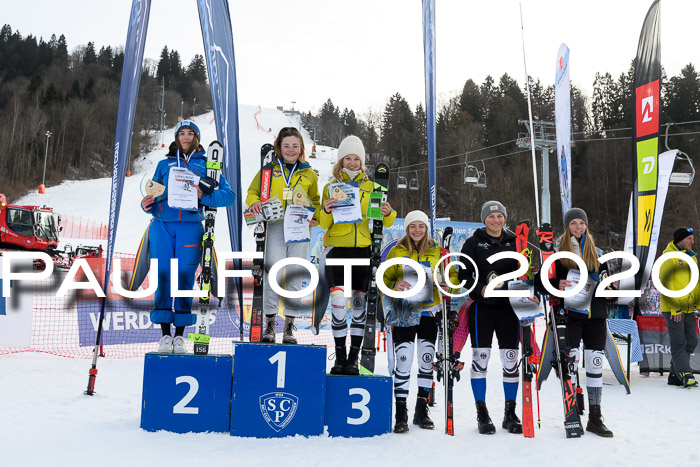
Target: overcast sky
<point>361,52</point>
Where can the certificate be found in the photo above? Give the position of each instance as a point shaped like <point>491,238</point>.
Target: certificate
<point>182,189</point>
<point>296,224</point>
<point>410,275</point>
<point>581,302</point>
<point>347,198</point>
<point>525,309</point>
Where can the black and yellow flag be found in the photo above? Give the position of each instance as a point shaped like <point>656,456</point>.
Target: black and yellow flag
<point>647,76</point>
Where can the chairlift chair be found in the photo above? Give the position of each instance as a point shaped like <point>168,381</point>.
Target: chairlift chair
<point>401,183</point>
<point>413,184</point>
<point>481,183</point>
<point>682,179</point>
<point>471,175</point>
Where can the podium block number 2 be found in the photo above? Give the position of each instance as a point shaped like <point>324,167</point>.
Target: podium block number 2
<point>181,407</point>
<point>281,359</point>
<point>361,405</point>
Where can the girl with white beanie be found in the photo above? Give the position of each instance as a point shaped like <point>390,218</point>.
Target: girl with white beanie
<point>415,320</point>
<point>350,240</point>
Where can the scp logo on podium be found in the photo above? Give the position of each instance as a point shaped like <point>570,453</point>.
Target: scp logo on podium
<point>278,409</point>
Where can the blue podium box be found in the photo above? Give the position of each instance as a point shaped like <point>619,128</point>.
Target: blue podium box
<point>186,393</point>
<point>358,406</point>
<point>278,390</point>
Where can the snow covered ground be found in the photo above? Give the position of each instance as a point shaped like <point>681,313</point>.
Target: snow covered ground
<point>47,421</point>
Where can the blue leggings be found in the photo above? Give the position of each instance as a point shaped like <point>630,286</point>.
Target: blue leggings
<point>181,240</point>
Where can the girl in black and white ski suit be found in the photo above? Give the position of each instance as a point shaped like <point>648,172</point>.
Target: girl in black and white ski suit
<point>417,321</point>
<point>589,327</point>
<point>492,315</point>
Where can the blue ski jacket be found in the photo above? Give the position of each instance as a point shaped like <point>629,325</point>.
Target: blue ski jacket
<point>197,164</point>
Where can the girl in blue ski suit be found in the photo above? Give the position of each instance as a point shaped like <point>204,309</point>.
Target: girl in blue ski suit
<point>177,233</point>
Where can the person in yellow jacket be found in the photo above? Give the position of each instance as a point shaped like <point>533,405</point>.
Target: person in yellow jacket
<point>349,240</point>
<point>415,318</point>
<point>289,173</point>
<point>679,312</point>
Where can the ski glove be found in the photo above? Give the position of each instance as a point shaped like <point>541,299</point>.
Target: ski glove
<point>207,184</point>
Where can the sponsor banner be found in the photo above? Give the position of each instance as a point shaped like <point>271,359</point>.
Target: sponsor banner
<point>430,102</point>
<point>647,99</point>
<point>562,112</point>
<point>647,173</point>
<point>656,346</point>
<point>645,214</point>
<point>647,75</point>
<point>217,34</point>
<point>128,322</point>
<point>666,161</point>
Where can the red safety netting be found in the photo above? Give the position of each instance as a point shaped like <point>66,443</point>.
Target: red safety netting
<point>77,227</point>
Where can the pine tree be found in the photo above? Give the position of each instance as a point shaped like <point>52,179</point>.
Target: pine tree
<point>684,96</point>
<point>90,56</point>
<point>470,100</point>
<point>197,70</point>
<point>163,70</point>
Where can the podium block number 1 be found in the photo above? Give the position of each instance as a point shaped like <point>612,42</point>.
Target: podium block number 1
<point>281,359</point>
<point>181,407</point>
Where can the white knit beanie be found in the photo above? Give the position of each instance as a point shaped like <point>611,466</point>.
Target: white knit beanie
<point>351,145</point>
<point>414,216</point>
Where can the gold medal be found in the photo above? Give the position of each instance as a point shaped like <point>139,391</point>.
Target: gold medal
<point>287,194</point>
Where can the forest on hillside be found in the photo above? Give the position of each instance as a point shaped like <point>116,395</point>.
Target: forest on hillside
<point>74,95</point>
<point>479,129</point>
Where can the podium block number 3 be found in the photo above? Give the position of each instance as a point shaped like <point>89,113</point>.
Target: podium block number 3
<point>181,407</point>
<point>281,359</point>
<point>361,405</point>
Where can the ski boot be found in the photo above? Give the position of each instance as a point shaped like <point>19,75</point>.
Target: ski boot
<point>269,335</point>
<point>420,416</point>
<point>482,417</point>
<point>595,423</point>
<point>352,367</point>
<point>401,425</point>
<point>340,361</point>
<point>673,379</point>
<point>688,380</point>
<point>511,422</point>
<point>288,335</point>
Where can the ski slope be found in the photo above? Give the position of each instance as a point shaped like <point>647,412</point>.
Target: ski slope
<point>47,421</point>
<point>90,198</point>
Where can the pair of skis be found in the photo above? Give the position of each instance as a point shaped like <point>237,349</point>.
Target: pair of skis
<point>528,357</point>
<point>556,321</point>
<point>563,361</point>
<point>447,366</point>
<point>267,155</point>
<point>374,310</point>
<point>201,336</point>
